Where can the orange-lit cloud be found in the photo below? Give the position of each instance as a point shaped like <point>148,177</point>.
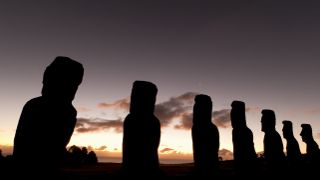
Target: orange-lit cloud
<point>85,125</point>
<point>166,150</point>
<point>168,153</point>
<point>222,118</point>
<point>119,104</point>
<point>83,109</point>
<point>101,148</point>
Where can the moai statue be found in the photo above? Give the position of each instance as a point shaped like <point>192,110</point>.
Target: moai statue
<point>293,150</point>
<point>47,122</point>
<point>313,153</point>
<point>273,147</point>
<point>205,137</point>
<point>141,132</point>
<point>245,157</point>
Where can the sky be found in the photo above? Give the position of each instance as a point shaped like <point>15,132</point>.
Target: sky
<point>265,53</point>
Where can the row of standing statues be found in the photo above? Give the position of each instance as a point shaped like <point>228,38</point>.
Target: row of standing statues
<point>48,122</point>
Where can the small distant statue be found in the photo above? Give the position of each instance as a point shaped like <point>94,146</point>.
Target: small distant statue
<point>141,132</point>
<point>294,156</point>
<point>273,147</point>
<point>47,122</point>
<point>205,137</point>
<point>313,152</point>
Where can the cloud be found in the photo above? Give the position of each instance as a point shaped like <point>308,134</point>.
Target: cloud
<point>85,125</point>
<point>101,148</point>
<point>83,109</point>
<point>176,107</point>
<point>172,154</point>
<point>222,118</point>
<point>186,121</point>
<point>179,107</point>
<point>225,154</point>
<point>123,104</point>
<point>166,150</point>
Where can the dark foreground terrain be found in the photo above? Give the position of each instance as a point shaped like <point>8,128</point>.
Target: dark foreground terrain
<point>186,171</point>
<point>109,171</point>
<point>113,171</point>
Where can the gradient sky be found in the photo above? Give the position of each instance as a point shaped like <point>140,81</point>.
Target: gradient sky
<point>265,53</point>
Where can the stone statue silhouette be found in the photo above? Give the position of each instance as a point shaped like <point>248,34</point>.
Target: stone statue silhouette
<point>47,122</point>
<point>273,147</point>
<point>205,137</point>
<point>312,149</point>
<point>293,150</point>
<point>245,157</point>
<point>141,132</point>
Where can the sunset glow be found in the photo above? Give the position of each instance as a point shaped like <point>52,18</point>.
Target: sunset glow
<point>264,55</point>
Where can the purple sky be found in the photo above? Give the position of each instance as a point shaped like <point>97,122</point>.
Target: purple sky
<point>265,53</point>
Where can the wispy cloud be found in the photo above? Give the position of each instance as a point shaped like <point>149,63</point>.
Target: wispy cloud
<point>101,148</point>
<point>83,109</point>
<point>169,153</point>
<point>166,150</point>
<point>85,125</point>
<point>123,104</point>
<point>222,118</point>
